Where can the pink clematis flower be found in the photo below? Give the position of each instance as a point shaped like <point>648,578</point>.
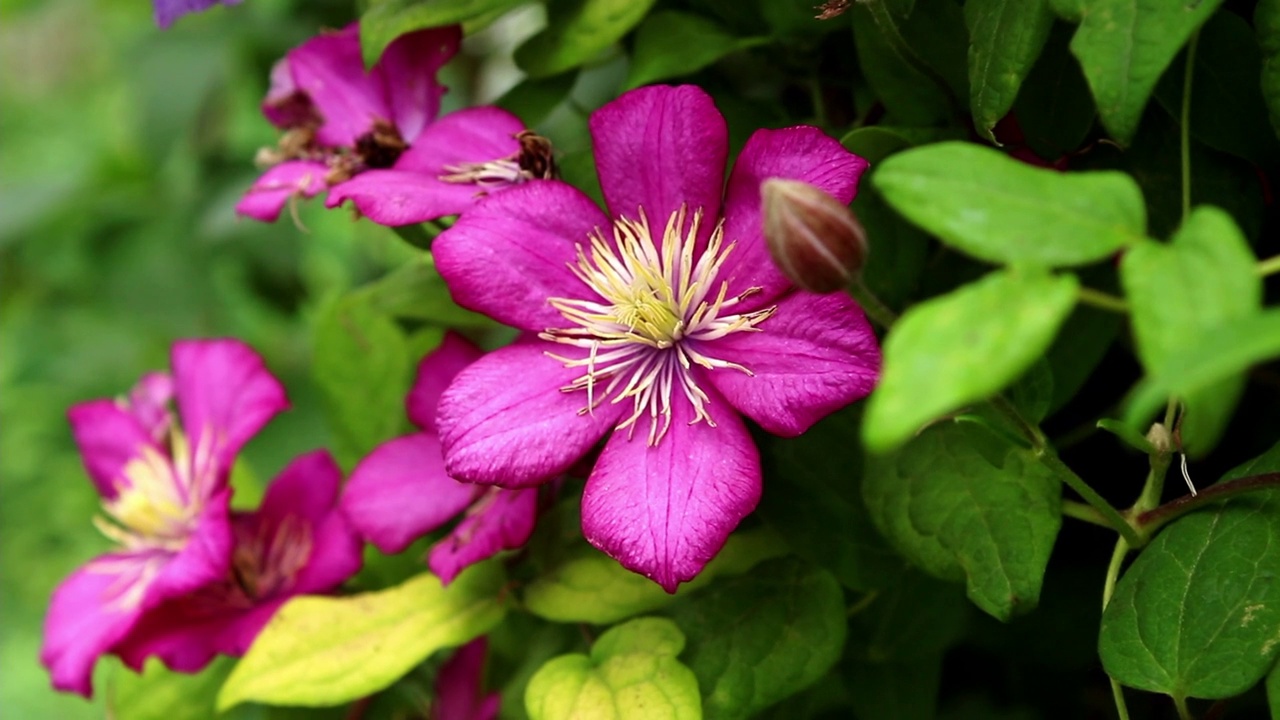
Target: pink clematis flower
<point>167,11</point>
<point>656,325</point>
<point>373,138</point>
<point>401,491</point>
<point>296,543</point>
<point>165,495</point>
<point>459,686</point>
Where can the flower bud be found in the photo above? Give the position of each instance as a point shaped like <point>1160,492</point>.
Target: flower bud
<point>815,240</point>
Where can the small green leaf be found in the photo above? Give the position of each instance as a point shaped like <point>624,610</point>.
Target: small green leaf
<point>386,20</point>
<point>1006,37</point>
<point>319,651</point>
<point>759,638</point>
<point>945,501</point>
<point>577,31</point>
<point>998,209</point>
<point>1125,45</point>
<point>158,693</point>
<point>672,43</point>
<point>1266,23</point>
<point>1180,291</point>
<point>1131,437</point>
<point>963,347</point>
<point>631,674</point>
<point>1197,612</point>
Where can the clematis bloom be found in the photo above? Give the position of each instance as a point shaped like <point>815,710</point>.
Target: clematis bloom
<point>165,496</point>
<point>656,325</point>
<point>167,11</point>
<point>459,686</point>
<point>401,491</point>
<point>373,137</point>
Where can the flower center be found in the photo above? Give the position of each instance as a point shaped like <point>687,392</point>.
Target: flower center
<point>267,560</point>
<point>156,504</point>
<point>533,161</point>
<point>659,311</point>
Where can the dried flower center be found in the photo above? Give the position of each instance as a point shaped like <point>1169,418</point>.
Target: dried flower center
<point>533,161</point>
<point>659,313</point>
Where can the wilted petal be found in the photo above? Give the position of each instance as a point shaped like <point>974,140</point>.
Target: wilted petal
<point>815,355</point>
<point>279,185</point>
<point>459,686</point>
<point>501,520</point>
<point>437,369</point>
<point>401,492</point>
<point>109,437</point>
<point>512,251</point>
<point>407,70</point>
<point>166,11</point>
<point>506,421</point>
<point>665,511</point>
<point>660,147</point>
<point>797,153</point>
<point>330,70</point>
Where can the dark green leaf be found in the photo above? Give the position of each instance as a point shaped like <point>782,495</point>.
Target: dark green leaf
<point>1125,45</point>
<point>1006,37</point>
<point>1273,687</point>
<point>386,20</point>
<point>1196,614</point>
<point>1002,210</point>
<point>1033,393</point>
<point>898,690</point>
<point>1180,291</point>
<point>963,347</point>
<point>534,100</point>
<point>915,64</point>
<point>1081,344</point>
<point>577,31</point>
<point>759,638</point>
<point>915,617</point>
<point>945,502</point>
<point>672,43</point>
<point>1266,22</point>
<point>158,693</point>
<point>1054,108</point>
<point>416,291</point>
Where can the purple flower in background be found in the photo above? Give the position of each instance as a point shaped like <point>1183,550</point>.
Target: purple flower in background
<point>296,543</point>
<point>401,491</point>
<point>459,690</point>
<point>372,137</point>
<point>656,325</point>
<point>166,11</point>
<point>164,494</point>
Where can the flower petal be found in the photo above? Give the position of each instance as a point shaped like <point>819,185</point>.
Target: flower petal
<point>659,147</point>
<point>225,395</point>
<point>400,197</point>
<point>797,153</point>
<point>458,686</point>
<point>167,11</point>
<point>815,355</point>
<point>435,372</point>
<point>109,437</point>
<point>330,70</point>
<point>666,511</point>
<point>471,135</point>
<point>400,492</point>
<point>149,403</point>
<point>512,251</point>
<point>502,520</point>
<point>204,559</point>
<point>407,70</point>
<point>279,185</point>
<point>506,421</point>
<point>187,632</point>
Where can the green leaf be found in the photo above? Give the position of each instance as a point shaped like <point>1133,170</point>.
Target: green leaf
<point>1082,343</point>
<point>1266,23</point>
<point>631,674</point>
<point>363,364</point>
<point>319,651</point>
<point>158,693</point>
<point>757,639</point>
<point>1054,107</point>
<point>915,617</point>
<point>386,20</point>
<point>1033,393</point>
<point>1125,45</point>
<point>914,62</point>
<point>1006,37</point>
<point>1180,291</point>
<point>534,100</point>
<point>672,43</point>
<point>1221,354</point>
<point>945,501</point>
<point>1273,687</point>
<point>577,31</point>
<point>963,347</point>
<point>998,209</point>
<point>898,690</point>
<point>1196,614</point>
<point>415,291</point>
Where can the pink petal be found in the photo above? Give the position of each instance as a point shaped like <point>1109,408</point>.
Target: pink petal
<point>435,372</point>
<point>167,11</point>
<point>285,105</point>
<point>330,70</point>
<point>666,511</point>
<point>506,421</point>
<point>815,355</point>
<point>659,147</point>
<point>797,153</point>
<point>149,404</point>
<point>471,135</point>
<point>225,395</point>
<point>407,71</point>
<point>279,185</point>
<point>512,251</point>
<point>400,492</point>
<point>204,559</point>
<point>502,520</point>
<point>109,437</point>
<point>459,683</point>
<point>399,197</point>
<point>186,633</point>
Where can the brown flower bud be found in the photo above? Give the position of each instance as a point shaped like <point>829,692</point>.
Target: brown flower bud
<point>815,240</point>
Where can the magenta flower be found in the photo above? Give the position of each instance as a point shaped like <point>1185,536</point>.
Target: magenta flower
<point>401,491</point>
<point>656,325</point>
<point>372,137</point>
<point>459,686</point>
<point>296,543</point>
<point>167,11</point>
<point>164,490</point>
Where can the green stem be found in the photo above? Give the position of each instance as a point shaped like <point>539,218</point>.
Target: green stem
<point>1101,300</point>
<point>1153,488</point>
<point>1084,513</point>
<point>1109,589</point>
<point>1270,266</point>
<point>1184,712</point>
<point>1185,130</point>
<point>1156,518</point>
<point>871,305</point>
<point>863,603</point>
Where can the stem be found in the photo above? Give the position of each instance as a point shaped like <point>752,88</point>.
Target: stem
<point>1101,300</point>
<point>1109,589</point>
<point>1184,712</point>
<point>1153,488</point>
<point>1084,513</point>
<point>1114,519</point>
<point>871,305</point>
<point>1270,266</point>
<point>1185,131</point>
<point>863,603</point>
<point>1117,693</point>
<point>1154,519</point>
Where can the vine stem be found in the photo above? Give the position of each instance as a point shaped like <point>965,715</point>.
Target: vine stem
<point>1109,589</point>
<point>1184,712</point>
<point>871,305</point>
<point>1101,300</point>
<point>1270,266</point>
<point>1084,513</point>
<point>1185,131</point>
